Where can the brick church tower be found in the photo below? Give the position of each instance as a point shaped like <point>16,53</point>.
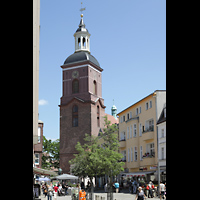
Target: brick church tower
<point>81,105</point>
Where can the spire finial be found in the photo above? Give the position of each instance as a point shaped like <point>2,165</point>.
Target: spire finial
<point>82,9</point>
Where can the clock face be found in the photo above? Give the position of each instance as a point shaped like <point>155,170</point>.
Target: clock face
<point>75,74</point>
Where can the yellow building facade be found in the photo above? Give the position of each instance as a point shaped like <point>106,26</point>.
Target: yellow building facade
<point>138,134</point>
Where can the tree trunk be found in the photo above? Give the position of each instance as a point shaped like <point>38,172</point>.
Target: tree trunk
<point>110,189</point>
<point>91,193</point>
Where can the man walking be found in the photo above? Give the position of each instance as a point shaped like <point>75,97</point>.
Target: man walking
<point>162,190</point>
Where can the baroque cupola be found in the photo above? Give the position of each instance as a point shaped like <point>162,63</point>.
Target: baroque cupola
<point>82,37</point>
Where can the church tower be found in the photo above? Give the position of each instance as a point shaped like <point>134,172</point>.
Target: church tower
<point>81,105</point>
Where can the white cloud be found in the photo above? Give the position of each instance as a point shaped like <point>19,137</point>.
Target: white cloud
<point>42,102</point>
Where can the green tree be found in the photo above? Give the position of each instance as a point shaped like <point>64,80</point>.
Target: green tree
<point>51,150</point>
<point>93,160</point>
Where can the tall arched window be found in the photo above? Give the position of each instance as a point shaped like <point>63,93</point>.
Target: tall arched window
<point>95,87</point>
<point>75,86</point>
<point>75,116</point>
<point>84,42</point>
<point>98,113</point>
<point>79,43</point>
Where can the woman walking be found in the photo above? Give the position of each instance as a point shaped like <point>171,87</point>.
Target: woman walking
<point>50,192</point>
<point>140,194</point>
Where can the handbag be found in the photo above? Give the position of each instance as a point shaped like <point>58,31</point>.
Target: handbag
<point>147,187</point>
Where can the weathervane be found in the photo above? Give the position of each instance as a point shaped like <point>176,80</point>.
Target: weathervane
<point>82,9</point>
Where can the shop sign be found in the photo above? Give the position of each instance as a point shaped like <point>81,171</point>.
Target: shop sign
<point>153,167</point>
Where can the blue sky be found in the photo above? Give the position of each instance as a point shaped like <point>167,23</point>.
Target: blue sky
<point>128,38</point>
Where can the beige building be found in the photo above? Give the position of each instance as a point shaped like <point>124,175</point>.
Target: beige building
<point>36,34</point>
<point>138,135</point>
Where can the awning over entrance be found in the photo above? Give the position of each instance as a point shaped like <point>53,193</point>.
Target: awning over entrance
<point>137,174</point>
<point>43,171</point>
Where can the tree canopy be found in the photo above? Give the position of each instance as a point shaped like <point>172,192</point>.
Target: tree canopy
<point>93,159</point>
<point>50,157</point>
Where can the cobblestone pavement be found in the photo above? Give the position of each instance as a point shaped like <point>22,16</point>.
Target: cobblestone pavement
<point>117,196</point>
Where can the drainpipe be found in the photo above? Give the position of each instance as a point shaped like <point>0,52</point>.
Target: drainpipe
<point>158,189</point>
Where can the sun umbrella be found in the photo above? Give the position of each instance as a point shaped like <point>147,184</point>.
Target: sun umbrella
<point>44,179</point>
<point>66,176</point>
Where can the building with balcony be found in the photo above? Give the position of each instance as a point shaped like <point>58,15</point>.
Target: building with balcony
<point>138,135</point>
<point>161,124</point>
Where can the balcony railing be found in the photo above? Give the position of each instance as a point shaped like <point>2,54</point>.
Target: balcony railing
<point>149,129</point>
<point>122,143</point>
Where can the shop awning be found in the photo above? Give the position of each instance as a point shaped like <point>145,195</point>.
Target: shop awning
<point>137,174</point>
<point>43,171</point>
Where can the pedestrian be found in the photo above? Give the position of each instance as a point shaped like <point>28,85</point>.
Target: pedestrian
<point>82,195</point>
<point>55,192</point>
<point>116,186</point>
<point>140,194</point>
<point>82,185</point>
<point>50,192</point>
<point>66,188</point>
<point>105,187</point>
<point>129,185</point>
<point>45,189</point>
<point>134,184</point>
<point>162,190</point>
<point>150,190</point>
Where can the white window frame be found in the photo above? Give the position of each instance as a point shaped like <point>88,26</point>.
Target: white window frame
<point>136,111</point>
<point>135,154</point>
<point>141,153</point>
<point>150,104</point>
<point>150,148</point>
<point>134,130</point>
<point>123,136</point>
<point>140,129</point>
<point>140,109</point>
<point>147,105</point>
<point>130,115</point>
<point>149,124</point>
<point>128,155</point>
<point>124,155</point>
<point>162,153</point>
<point>131,154</point>
<point>131,131</point>
<point>162,133</point>
<point>127,132</point>
<point>37,159</point>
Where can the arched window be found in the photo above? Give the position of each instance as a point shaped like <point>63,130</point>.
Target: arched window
<point>95,87</point>
<point>98,113</point>
<point>83,42</point>
<point>75,86</point>
<point>75,116</point>
<point>79,42</point>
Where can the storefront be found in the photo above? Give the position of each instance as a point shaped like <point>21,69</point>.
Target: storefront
<point>139,176</point>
